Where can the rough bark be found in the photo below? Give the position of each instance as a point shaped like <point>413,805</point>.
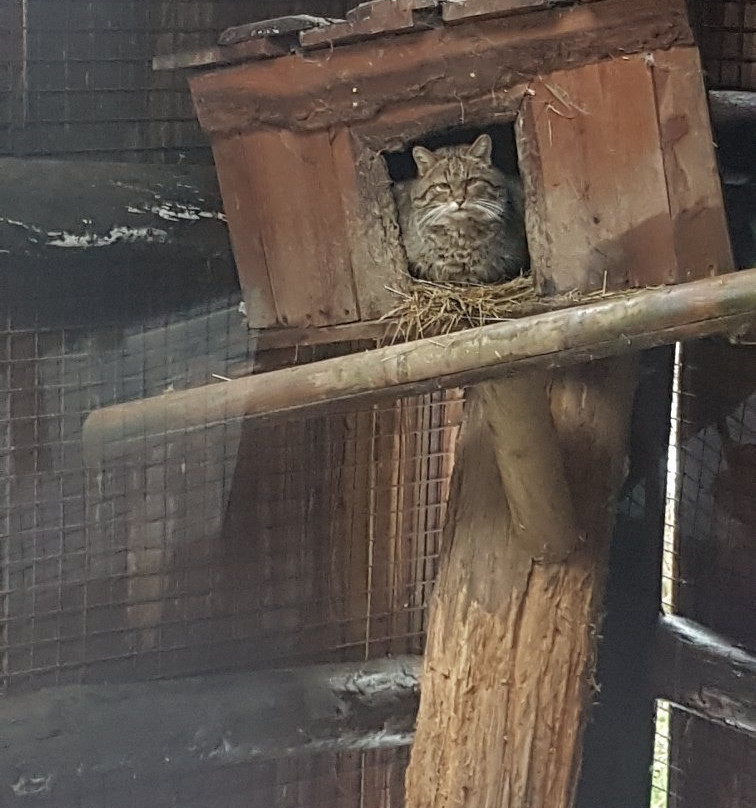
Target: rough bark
<point>511,641</point>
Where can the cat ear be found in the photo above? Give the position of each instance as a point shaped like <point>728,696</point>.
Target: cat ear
<point>481,148</point>
<point>425,159</point>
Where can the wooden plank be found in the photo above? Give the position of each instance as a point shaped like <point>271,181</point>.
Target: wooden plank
<point>242,206</point>
<point>461,10</point>
<point>613,327</point>
<point>298,217</point>
<point>277,27</point>
<point>218,55</point>
<point>58,740</point>
<point>356,82</point>
<point>364,21</point>
<point>701,239</point>
<point>403,123</point>
<point>377,260</point>
<point>703,673</point>
<point>272,339</point>
<point>594,177</point>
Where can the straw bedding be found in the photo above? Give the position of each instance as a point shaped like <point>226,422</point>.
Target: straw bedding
<point>427,309</point>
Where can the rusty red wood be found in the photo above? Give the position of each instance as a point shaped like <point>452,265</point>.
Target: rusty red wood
<point>356,82</point>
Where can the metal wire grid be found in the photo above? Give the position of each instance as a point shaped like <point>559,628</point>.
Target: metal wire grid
<point>709,567</point>
<point>11,23</point>
<point>369,780</point>
<point>88,89</point>
<point>325,544</point>
<point>727,35</point>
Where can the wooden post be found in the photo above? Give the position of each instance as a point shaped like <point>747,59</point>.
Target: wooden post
<point>509,664</point>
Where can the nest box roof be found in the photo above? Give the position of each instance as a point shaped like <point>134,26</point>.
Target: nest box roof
<point>268,39</point>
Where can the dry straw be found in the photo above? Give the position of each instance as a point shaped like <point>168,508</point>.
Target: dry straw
<point>427,309</point>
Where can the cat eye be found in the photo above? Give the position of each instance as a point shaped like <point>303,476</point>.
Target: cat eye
<point>480,185</point>
<point>442,186</point>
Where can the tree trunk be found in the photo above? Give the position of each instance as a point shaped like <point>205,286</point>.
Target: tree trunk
<point>511,641</point>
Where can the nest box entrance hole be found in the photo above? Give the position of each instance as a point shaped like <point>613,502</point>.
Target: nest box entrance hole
<point>401,166</point>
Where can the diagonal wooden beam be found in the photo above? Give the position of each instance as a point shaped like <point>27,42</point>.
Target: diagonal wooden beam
<point>611,327</point>
<point>702,673</point>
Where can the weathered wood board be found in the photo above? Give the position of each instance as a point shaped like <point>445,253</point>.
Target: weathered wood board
<point>355,82</point>
<point>646,168</point>
<point>690,165</point>
<point>242,209</point>
<point>299,220</point>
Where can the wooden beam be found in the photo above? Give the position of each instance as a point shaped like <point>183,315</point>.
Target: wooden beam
<point>55,207</point>
<point>611,327</point>
<point>480,58</point>
<point>619,739</point>
<point>90,244</point>
<point>57,739</point>
<point>701,672</point>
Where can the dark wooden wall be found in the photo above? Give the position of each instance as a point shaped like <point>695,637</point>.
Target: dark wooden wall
<point>726,34</point>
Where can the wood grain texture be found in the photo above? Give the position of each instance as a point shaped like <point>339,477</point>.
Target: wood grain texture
<point>242,207</point>
<point>363,21</point>
<point>701,672</point>
<point>648,168</point>
<point>60,740</point>
<point>376,257</point>
<point>276,27</point>
<point>701,240</point>
<point>529,458</point>
<point>460,10</point>
<point>298,217</point>
<point>317,89</point>
<point>511,643</point>
<point>218,55</point>
<point>594,177</point>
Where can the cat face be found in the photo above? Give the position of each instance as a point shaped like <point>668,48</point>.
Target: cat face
<point>457,183</point>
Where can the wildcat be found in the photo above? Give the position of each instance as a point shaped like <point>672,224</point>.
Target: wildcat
<point>462,219</point>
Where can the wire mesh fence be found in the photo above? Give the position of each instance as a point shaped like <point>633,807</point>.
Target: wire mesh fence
<point>710,564</point>
<point>234,545</point>
<point>230,545</point>
<point>727,37</point>
<point>76,78</point>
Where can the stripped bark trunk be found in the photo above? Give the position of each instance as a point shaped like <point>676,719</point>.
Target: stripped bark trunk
<point>511,641</point>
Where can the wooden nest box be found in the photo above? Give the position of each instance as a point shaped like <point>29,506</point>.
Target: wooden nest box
<point>604,98</point>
